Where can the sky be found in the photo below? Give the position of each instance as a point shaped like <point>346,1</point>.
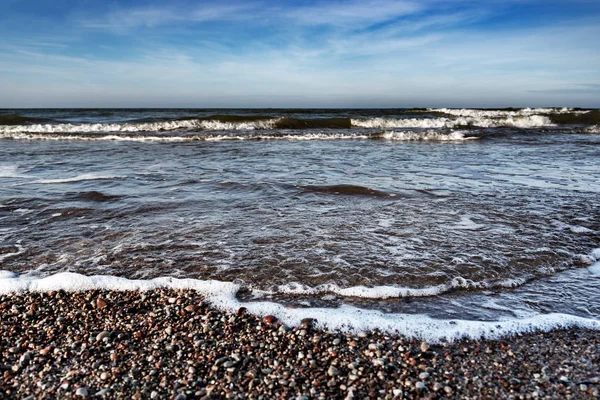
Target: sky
<point>350,53</point>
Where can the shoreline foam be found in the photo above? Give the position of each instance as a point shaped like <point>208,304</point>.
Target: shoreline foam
<point>346,318</point>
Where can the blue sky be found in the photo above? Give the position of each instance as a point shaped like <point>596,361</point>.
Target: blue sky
<point>369,53</point>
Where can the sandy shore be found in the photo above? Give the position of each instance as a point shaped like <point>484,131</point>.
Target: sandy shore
<point>170,344</point>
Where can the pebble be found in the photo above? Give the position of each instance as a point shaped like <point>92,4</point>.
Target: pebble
<point>167,351</point>
<point>102,393</point>
<point>102,335</point>
<point>82,392</point>
<point>100,303</point>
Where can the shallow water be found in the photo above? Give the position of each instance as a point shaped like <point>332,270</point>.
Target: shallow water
<point>470,214</point>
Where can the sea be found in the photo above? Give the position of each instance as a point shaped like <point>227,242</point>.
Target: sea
<point>431,223</point>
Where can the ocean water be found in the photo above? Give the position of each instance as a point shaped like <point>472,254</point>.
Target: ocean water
<point>428,222</point>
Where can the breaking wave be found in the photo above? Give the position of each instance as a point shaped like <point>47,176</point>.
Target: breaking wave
<point>405,135</point>
<point>532,121</point>
<point>510,112</point>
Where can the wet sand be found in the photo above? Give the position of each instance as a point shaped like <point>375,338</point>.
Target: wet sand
<point>169,344</point>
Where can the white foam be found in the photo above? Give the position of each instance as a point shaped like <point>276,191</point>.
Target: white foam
<point>344,318</point>
<point>524,121</point>
<point>78,178</point>
<point>10,171</point>
<point>20,250</point>
<point>191,124</point>
<point>189,138</point>
<point>466,112</point>
<point>593,129</point>
<point>427,136</point>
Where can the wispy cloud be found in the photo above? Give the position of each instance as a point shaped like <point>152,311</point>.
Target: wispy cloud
<point>354,13</point>
<point>156,16</point>
<point>317,53</point>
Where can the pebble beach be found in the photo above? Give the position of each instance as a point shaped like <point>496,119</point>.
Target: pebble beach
<point>171,344</point>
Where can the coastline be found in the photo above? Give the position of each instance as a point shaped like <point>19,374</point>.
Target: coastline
<point>168,343</point>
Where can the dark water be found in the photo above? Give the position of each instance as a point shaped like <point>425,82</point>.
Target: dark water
<point>465,213</point>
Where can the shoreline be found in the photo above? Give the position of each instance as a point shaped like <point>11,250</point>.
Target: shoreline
<point>170,343</point>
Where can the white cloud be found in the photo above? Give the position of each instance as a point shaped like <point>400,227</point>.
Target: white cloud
<point>354,13</point>
<point>150,17</point>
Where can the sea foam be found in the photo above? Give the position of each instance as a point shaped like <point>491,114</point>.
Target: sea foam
<point>345,318</point>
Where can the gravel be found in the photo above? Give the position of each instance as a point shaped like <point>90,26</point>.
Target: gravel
<point>169,344</point>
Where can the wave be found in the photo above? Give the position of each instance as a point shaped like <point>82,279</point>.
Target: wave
<point>429,136</point>
<point>348,190</point>
<point>15,119</point>
<point>593,129</point>
<point>588,118</point>
<point>284,123</point>
<point>510,112</point>
<point>323,135</point>
<point>78,178</point>
<point>531,121</point>
<point>91,196</point>
<point>345,318</point>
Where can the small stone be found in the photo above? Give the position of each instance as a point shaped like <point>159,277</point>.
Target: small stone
<point>100,304</point>
<point>104,376</point>
<point>270,319</point>
<point>448,389</point>
<point>420,386</point>
<point>102,335</point>
<point>337,341</point>
<point>82,392</point>
<point>563,379</point>
<point>437,387</point>
<point>302,332</point>
<point>583,387</point>
<point>172,300</point>
<point>307,323</point>
<point>241,311</point>
<point>379,362</point>
<point>190,308</point>
<point>180,396</point>
<point>424,347</point>
<point>423,375</point>
<point>169,331</point>
<point>102,393</point>
<point>333,371</point>
<point>154,394</point>
<point>24,358</point>
<point>397,392</point>
<point>362,334</point>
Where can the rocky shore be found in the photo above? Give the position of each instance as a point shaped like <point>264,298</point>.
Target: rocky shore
<point>167,344</point>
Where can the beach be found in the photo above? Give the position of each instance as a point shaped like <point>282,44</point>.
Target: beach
<point>167,343</point>
<point>299,253</point>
